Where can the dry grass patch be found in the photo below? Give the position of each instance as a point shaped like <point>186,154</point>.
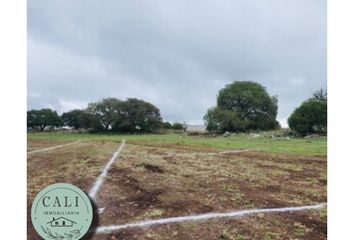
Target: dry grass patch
<point>154,181</point>
<point>77,164</point>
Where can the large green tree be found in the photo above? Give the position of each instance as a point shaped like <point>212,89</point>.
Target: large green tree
<point>71,118</point>
<point>243,105</point>
<point>106,111</point>
<point>132,115</point>
<point>311,116</point>
<point>136,115</point>
<point>43,118</point>
<point>80,119</point>
<point>89,121</point>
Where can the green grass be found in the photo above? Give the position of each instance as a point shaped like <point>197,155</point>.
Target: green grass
<point>298,146</point>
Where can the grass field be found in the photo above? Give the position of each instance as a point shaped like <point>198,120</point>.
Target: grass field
<point>159,176</point>
<point>309,147</point>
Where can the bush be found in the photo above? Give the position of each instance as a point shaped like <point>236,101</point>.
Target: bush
<point>220,120</point>
<point>166,125</point>
<point>310,117</point>
<point>177,126</point>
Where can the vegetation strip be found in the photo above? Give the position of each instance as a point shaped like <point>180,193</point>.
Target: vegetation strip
<point>203,217</point>
<point>99,181</point>
<point>54,147</point>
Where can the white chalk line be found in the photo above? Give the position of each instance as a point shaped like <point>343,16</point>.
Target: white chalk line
<point>101,210</point>
<point>196,154</point>
<point>203,217</point>
<point>212,153</point>
<point>53,147</point>
<point>235,151</point>
<point>99,181</point>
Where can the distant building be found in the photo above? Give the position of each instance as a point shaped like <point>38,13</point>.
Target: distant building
<point>195,128</point>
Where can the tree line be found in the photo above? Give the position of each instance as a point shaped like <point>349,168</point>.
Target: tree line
<point>241,106</point>
<point>108,115</point>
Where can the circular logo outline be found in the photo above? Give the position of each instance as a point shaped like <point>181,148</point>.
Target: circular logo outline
<point>51,221</point>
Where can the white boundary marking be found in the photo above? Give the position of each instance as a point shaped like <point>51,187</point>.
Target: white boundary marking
<point>53,147</point>
<point>101,210</point>
<point>203,217</point>
<point>198,153</point>
<point>235,151</point>
<point>201,153</point>
<point>99,181</point>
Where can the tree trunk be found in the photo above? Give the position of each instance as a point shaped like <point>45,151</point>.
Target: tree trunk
<point>42,127</point>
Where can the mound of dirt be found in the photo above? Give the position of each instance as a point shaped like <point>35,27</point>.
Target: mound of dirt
<point>152,168</point>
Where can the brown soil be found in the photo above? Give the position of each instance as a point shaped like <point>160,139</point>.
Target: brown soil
<point>152,181</point>
<point>77,164</point>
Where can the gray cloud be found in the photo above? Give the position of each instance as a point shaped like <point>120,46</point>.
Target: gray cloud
<point>175,54</point>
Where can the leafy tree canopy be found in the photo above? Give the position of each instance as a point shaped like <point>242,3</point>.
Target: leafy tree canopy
<point>43,118</point>
<point>132,115</point>
<point>80,119</point>
<point>109,114</point>
<point>243,105</point>
<point>71,118</point>
<point>221,120</point>
<point>311,116</point>
<point>178,126</point>
<point>137,116</point>
<point>166,125</point>
<point>106,111</point>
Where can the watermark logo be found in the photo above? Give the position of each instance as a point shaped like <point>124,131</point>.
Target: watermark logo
<point>61,211</point>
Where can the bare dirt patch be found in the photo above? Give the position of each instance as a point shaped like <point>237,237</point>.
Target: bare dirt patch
<point>151,167</point>
<point>152,181</point>
<point>77,164</point>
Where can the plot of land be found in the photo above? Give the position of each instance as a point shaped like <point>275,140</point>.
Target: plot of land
<point>165,177</point>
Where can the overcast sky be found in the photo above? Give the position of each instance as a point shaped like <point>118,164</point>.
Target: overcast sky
<point>175,54</point>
